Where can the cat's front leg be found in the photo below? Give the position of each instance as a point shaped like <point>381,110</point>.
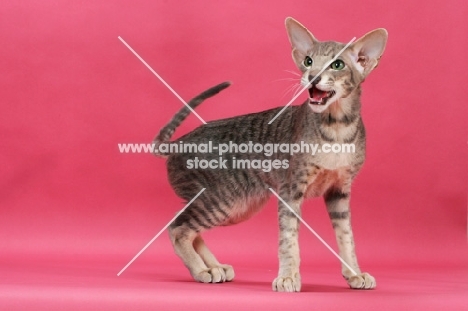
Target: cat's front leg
<point>337,201</point>
<point>289,278</point>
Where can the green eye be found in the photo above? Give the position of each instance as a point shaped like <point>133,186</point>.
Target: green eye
<point>308,61</point>
<point>337,65</point>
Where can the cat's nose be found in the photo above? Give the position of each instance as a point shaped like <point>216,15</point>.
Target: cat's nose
<point>316,80</point>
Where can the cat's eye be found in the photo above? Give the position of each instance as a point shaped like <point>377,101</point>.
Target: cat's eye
<point>337,65</point>
<point>308,61</point>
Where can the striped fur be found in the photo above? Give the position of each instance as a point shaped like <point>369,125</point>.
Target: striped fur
<point>233,195</point>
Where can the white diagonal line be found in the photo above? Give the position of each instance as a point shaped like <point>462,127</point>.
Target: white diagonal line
<point>310,82</point>
<point>159,233</point>
<point>160,78</point>
<point>313,231</point>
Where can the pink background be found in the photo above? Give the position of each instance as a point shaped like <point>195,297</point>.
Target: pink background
<point>74,210</point>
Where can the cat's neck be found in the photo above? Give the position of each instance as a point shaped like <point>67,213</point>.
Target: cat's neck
<point>343,112</point>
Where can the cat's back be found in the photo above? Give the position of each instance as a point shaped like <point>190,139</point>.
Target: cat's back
<point>249,127</point>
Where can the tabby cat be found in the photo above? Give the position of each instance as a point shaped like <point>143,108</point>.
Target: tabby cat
<point>331,114</point>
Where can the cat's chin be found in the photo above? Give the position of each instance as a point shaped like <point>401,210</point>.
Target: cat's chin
<point>318,108</point>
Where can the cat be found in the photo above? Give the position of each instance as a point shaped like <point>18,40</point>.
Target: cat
<point>331,114</point>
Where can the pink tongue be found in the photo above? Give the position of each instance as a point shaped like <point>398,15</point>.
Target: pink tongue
<point>318,94</point>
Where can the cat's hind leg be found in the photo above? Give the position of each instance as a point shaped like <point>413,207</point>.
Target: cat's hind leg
<point>190,247</point>
<point>182,238</point>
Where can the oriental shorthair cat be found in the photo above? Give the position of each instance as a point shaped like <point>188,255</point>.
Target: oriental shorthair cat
<point>330,115</point>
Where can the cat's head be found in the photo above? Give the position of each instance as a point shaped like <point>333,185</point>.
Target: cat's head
<point>341,77</point>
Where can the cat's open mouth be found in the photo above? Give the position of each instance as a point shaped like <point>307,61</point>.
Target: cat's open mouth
<point>319,97</point>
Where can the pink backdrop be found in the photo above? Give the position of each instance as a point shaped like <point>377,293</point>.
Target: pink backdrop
<point>71,91</point>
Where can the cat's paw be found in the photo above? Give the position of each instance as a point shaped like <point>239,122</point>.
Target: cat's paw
<point>362,281</point>
<point>291,283</point>
<point>229,272</point>
<point>223,273</point>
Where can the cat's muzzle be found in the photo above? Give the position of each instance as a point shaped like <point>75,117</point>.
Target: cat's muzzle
<point>319,97</point>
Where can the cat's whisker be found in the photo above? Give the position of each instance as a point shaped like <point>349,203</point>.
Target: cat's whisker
<point>286,91</point>
<point>298,89</point>
<point>293,72</point>
<point>292,88</point>
<point>286,79</point>
<point>295,85</point>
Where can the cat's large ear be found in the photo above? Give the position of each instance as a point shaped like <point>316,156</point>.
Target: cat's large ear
<point>301,40</point>
<point>368,49</point>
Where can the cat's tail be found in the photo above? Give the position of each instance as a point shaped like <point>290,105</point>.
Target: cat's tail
<point>168,130</point>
